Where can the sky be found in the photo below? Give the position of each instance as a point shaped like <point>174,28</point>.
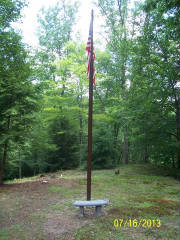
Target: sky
<point>28,25</point>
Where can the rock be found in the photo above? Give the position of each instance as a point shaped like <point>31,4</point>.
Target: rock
<point>44,181</point>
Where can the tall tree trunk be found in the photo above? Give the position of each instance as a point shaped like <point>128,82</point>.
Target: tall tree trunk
<point>178,135</point>
<point>79,100</point>
<point>125,148</point>
<point>125,152</point>
<point>80,139</point>
<point>146,154</point>
<point>1,170</point>
<point>4,158</point>
<point>3,162</point>
<point>20,165</point>
<point>116,132</point>
<point>173,162</point>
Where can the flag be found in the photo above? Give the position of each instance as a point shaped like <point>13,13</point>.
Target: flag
<point>88,49</point>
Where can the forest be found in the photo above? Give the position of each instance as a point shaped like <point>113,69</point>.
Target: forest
<point>44,91</point>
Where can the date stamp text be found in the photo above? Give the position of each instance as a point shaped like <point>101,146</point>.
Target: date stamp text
<point>136,223</point>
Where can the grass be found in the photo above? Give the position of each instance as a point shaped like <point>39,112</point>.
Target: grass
<point>62,206</point>
<point>22,180</point>
<point>65,192</point>
<point>7,233</point>
<point>38,214</point>
<point>55,189</point>
<point>46,210</point>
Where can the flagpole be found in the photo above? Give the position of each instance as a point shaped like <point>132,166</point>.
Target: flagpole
<point>90,113</point>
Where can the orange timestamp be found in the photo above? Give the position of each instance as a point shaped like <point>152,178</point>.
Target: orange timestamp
<point>135,223</point>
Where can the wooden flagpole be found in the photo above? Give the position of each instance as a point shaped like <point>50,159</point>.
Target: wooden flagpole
<point>90,113</point>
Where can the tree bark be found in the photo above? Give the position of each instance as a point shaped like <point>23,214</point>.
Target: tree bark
<point>125,148</point>
<point>178,135</point>
<point>3,160</point>
<point>20,165</point>
<point>79,100</point>
<point>116,132</point>
<point>173,162</point>
<point>146,155</point>
<point>80,139</point>
<point>1,171</point>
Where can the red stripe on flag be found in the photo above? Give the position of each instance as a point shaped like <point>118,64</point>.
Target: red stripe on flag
<point>88,49</point>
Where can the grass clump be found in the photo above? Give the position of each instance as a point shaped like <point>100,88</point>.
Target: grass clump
<point>55,189</point>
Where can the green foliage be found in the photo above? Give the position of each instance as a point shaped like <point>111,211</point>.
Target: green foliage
<point>9,12</point>
<point>18,98</point>
<point>136,94</point>
<point>155,84</point>
<point>64,136</point>
<point>103,151</point>
<point>56,26</point>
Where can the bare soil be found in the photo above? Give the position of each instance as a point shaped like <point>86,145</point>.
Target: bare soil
<point>29,205</point>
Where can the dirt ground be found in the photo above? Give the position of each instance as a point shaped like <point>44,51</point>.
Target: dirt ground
<point>41,208</point>
<point>29,205</point>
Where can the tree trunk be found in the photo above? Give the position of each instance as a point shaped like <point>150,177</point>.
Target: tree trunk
<point>116,132</point>
<point>173,162</point>
<point>3,160</point>
<point>146,155</point>
<point>20,165</point>
<point>79,100</point>
<point>1,171</point>
<point>178,133</point>
<point>178,155</point>
<point>80,140</point>
<point>125,148</point>
<point>125,152</point>
<point>1,177</point>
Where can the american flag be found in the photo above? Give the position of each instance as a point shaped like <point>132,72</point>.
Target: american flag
<point>88,49</point>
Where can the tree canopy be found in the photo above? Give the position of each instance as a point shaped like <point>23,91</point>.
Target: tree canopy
<point>44,92</point>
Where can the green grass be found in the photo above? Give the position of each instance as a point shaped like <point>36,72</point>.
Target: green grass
<point>38,214</point>
<point>136,193</point>
<point>55,189</point>
<point>64,191</point>
<point>57,207</point>
<point>102,229</point>
<point>26,179</point>
<point>7,233</point>
<point>62,206</point>
<point>3,234</point>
